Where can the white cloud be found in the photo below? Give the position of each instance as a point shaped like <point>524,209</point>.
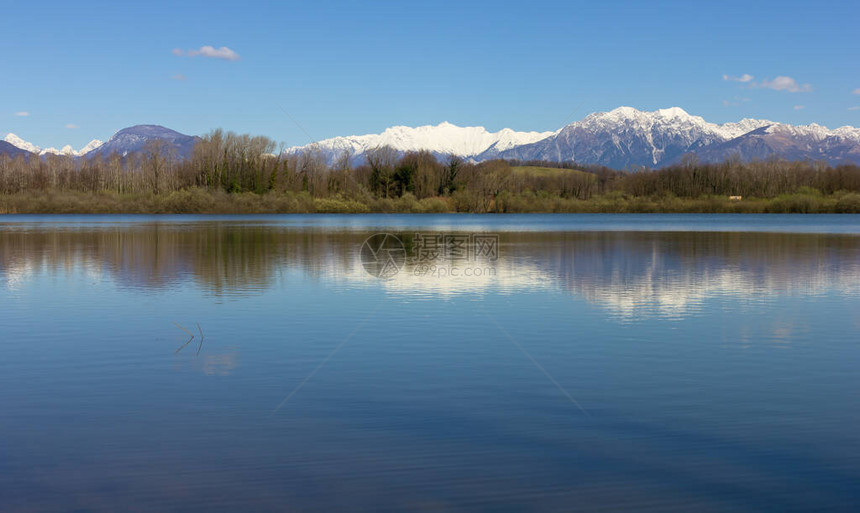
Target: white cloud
<point>71,126</point>
<point>782,83</point>
<point>856,107</point>
<point>209,52</point>
<point>799,107</point>
<point>746,77</point>
<point>856,91</point>
<point>178,77</point>
<point>22,114</point>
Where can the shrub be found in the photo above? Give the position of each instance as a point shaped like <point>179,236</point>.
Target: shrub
<point>434,206</point>
<point>848,204</point>
<point>339,205</point>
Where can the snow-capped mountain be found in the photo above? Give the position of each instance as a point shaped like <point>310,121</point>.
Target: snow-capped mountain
<point>626,137</point>
<point>629,138</point>
<point>126,141</point>
<point>19,143</point>
<point>811,142</point>
<point>66,150</point>
<point>11,150</point>
<point>442,139</point>
<point>622,138</point>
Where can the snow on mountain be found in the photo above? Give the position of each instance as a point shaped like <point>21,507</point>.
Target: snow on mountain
<point>124,142</point>
<point>66,150</point>
<point>16,141</point>
<point>807,142</point>
<point>69,151</point>
<point>744,126</point>
<point>622,138</point>
<point>11,150</point>
<point>92,145</point>
<point>629,138</point>
<point>442,139</point>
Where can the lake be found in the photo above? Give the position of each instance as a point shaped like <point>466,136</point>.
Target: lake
<point>429,363</point>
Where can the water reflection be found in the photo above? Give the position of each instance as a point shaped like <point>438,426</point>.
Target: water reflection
<point>428,400</point>
<point>628,273</point>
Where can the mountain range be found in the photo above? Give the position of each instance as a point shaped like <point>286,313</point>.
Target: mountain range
<point>126,141</point>
<point>25,146</point>
<point>623,138</point>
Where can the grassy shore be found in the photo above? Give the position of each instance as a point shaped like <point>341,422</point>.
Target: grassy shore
<point>199,201</point>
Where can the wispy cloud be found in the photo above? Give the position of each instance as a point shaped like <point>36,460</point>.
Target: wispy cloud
<point>856,107</point>
<point>799,107</point>
<point>209,52</point>
<point>856,91</point>
<point>71,126</point>
<point>179,77</point>
<point>22,114</point>
<point>746,77</point>
<point>782,83</point>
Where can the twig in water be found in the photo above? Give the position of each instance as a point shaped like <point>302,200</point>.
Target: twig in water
<point>183,345</point>
<point>183,329</point>
<point>199,347</point>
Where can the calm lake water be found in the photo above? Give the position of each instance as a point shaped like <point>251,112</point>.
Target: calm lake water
<point>506,363</point>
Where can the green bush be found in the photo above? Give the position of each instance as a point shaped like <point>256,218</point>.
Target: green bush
<point>339,205</point>
<point>434,206</point>
<point>848,204</point>
<point>794,204</point>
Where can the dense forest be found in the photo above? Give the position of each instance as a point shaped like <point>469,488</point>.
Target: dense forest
<point>230,173</point>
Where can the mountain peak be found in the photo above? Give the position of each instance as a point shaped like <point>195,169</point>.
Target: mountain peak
<point>673,112</point>
<point>92,145</point>
<point>16,141</point>
<point>155,131</point>
<point>627,115</point>
<point>135,138</point>
<point>442,139</point>
<point>620,112</point>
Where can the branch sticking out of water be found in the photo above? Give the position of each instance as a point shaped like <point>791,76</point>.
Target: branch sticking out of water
<point>180,348</point>
<point>191,337</point>
<point>199,347</point>
<point>183,329</point>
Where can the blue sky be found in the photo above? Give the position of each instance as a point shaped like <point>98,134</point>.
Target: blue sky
<point>73,72</point>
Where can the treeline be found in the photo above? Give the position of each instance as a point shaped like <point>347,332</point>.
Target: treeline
<point>226,171</point>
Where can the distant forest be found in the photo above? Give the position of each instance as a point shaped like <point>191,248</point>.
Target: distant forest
<point>233,173</point>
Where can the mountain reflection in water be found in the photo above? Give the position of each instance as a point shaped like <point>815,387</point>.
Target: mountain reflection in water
<point>628,273</point>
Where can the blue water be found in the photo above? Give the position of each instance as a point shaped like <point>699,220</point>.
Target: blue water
<point>789,223</point>
<point>594,363</point>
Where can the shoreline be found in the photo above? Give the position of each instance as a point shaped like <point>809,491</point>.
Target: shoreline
<point>200,201</point>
